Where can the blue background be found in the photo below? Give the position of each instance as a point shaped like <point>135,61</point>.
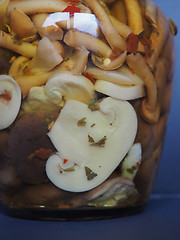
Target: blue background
<point>160,220</point>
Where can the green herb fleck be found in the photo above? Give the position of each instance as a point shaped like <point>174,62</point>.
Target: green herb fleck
<point>72,169</point>
<point>82,122</point>
<point>100,143</point>
<point>90,174</point>
<point>132,169</point>
<point>48,119</point>
<point>93,105</point>
<point>93,125</point>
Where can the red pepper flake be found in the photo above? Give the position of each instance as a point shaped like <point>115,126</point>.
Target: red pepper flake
<point>137,164</point>
<point>146,42</point>
<point>90,77</point>
<point>132,45</point>
<point>65,161</point>
<point>65,206</point>
<point>72,10</point>
<point>6,96</point>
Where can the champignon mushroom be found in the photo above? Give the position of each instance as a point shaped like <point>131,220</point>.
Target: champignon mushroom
<point>10,100</point>
<point>94,136</point>
<point>117,43</point>
<point>65,85</point>
<point>78,39</point>
<point>150,110</point>
<point>24,48</point>
<point>158,39</point>
<point>33,6</point>
<point>135,20</point>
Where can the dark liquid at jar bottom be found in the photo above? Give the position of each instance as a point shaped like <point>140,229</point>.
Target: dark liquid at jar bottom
<point>77,214</point>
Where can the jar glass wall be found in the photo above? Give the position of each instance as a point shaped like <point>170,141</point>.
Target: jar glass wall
<point>85,93</point>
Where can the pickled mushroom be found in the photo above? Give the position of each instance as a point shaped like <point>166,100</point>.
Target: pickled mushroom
<point>92,147</point>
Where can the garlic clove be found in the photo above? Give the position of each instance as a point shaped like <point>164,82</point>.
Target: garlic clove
<point>10,101</point>
<point>94,141</point>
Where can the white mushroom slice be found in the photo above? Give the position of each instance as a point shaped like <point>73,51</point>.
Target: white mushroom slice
<point>95,147</point>
<point>130,164</point>
<point>10,101</point>
<point>65,84</point>
<point>122,76</point>
<point>47,57</point>
<point>120,92</point>
<point>25,49</point>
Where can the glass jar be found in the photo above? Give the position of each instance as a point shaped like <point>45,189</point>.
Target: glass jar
<point>85,92</point>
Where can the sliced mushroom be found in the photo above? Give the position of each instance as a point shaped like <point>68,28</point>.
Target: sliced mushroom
<point>150,109</point>
<point>131,162</point>
<point>135,20</point>
<point>24,48</point>
<point>117,43</point>
<point>21,24</point>
<point>158,38</point>
<point>46,26</point>
<point>33,6</point>
<point>66,85</point>
<point>10,101</point>
<point>121,92</point>
<point>107,63</point>
<point>114,130</point>
<point>47,57</point>
<point>78,39</point>
<point>122,76</point>
<point>3,9</point>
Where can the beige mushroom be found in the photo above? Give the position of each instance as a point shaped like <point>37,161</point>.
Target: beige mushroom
<point>3,9</point>
<point>24,48</point>
<point>81,59</point>
<point>118,10</point>
<point>151,13</point>
<point>33,6</point>
<point>123,29</point>
<point>46,26</point>
<point>77,39</point>
<point>158,39</point>
<point>107,63</point>
<point>135,20</point>
<point>21,24</point>
<point>117,43</point>
<point>150,110</point>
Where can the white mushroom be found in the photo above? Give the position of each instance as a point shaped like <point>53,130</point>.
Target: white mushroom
<point>66,85</point>
<point>121,92</point>
<point>10,101</point>
<point>99,141</point>
<point>130,164</point>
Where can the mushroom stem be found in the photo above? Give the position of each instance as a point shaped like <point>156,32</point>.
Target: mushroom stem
<point>24,48</point>
<point>134,16</point>
<point>150,110</point>
<point>81,58</point>
<point>78,39</point>
<point>33,6</point>
<point>151,13</point>
<point>117,43</point>
<point>158,39</point>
